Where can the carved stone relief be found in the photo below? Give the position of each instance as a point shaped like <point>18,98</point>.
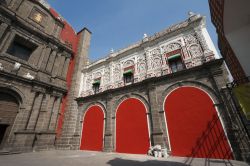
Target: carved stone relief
<point>156,63</point>
<point>195,50</point>
<point>106,76</point>
<point>128,63</point>
<point>170,47</point>
<point>117,72</point>
<point>190,39</point>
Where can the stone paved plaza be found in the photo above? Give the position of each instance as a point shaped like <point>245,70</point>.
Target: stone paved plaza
<point>88,158</point>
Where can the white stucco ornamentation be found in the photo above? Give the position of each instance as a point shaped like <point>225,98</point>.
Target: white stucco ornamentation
<point>150,58</point>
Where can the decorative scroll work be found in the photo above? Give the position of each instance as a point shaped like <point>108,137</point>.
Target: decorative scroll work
<point>128,63</point>
<point>170,47</point>
<point>97,75</point>
<point>190,39</point>
<point>141,65</point>
<point>106,76</point>
<point>195,50</point>
<point>154,58</point>
<point>156,62</point>
<point>89,82</point>
<point>117,72</point>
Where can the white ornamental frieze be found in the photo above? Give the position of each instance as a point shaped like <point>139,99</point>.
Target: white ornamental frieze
<point>195,51</point>
<point>97,75</point>
<point>170,47</point>
<point>190,39</point>
<point>117,72</point>
<point>141,65</point>
<point>156,62</point>
<point>89,82</point>
<point>128,63</point>
<point>106,76</point>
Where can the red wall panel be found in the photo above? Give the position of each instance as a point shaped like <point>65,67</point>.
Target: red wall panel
<point>92,131</point>
<point>193,125</point>
<point>131,127</point>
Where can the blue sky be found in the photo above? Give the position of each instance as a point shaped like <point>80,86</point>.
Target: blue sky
<point>119,23</point>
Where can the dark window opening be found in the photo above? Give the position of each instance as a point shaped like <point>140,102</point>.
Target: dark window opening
<point>176,64</point>
<point>96,88</point>
<point>2,132</point>
<point>21,48</point>
<point>128,78</point>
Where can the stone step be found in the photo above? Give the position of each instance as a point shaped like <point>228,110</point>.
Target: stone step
<point>4,152</point>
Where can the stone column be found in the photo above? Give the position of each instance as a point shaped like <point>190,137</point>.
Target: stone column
<point>36,55</point>
<point>3,28</point>
<point>35,112</point>
<point>56,65</point>
<point>44,61</point>
<point>45,113</point>
<point>7,41</point>
<point>156,131</point>
<point>109,133</point>
<point>51,61</point>
<point>54,114</point>
<point>65,67</point>
<point>60,67</point>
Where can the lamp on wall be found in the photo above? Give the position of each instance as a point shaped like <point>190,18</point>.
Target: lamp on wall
<point>16,66</point>
<point>1,67</point>
<point>29,76</point>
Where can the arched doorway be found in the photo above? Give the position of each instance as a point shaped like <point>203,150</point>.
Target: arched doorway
<point>194,127</point>
<point>8,110</point>
<point>92,129</point>
<point>132,135</point>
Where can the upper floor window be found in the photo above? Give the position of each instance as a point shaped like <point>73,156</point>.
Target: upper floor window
<point>174,61</point>
<point>21,48</point>
<point>176,64</point>
<point>96,85</point>
<point>128,75</point>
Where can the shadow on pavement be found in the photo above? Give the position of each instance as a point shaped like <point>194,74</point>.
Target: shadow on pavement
<point>125,162</point>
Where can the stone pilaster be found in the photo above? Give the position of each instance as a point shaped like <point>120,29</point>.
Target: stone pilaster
<point>108,135</point>
<point>45,58</point>
<point>35,112</point>
<point>54,113</point>
<point>65,67</point>
<point>45,112</point>
<point>51,61</point>
<point>157,133</point>
<point>60,67</point>
<point>3,28</point>
<point>56,65</point>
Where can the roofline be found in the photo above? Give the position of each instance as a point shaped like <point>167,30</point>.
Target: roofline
<point>83,29</point>
<point>153,37</point>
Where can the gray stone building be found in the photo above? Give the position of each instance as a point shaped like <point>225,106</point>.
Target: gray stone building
<point>168,89</point>
<point>38,54</point>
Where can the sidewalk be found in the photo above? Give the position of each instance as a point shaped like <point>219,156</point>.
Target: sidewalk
<point>89,158</point>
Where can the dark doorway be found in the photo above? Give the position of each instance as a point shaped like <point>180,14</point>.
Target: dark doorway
<point>2,132</point>
<point>8,110</point>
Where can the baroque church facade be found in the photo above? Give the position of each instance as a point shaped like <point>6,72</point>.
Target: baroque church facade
<point>166,89</point>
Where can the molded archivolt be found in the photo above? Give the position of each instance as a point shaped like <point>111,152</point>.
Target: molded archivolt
<point>194,128</point>
<point>132,134</point>
<point>93,129</point>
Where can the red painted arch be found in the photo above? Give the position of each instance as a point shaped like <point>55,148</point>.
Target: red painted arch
<point>194,127</point>
<point>131,127</point>
<point>92,130</point>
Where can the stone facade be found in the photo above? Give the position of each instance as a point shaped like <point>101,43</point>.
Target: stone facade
<point>39,80</point>
<point>153,79</point>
